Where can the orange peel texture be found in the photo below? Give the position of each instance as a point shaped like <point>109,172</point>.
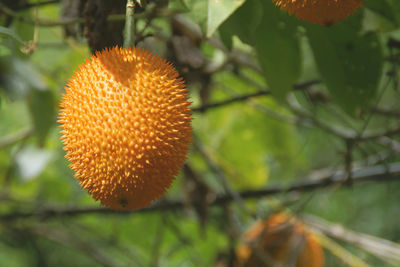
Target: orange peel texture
<point>126,125</point>
<point>279,241</point>
<point>324,12</point>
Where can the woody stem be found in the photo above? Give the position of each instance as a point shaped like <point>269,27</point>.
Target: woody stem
<point>129,40</point>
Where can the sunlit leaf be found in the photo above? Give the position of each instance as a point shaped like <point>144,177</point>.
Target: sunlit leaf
<point>219,11</point>
<point>31,162</point>
<point>250,12</point>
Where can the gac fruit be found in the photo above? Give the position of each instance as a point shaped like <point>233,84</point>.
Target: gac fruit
<point>126,125</point>
<point>279,241</point>
<point>324,12</point>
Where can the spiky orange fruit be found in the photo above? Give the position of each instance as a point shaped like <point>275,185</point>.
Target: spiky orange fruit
<point>126,125</point>
<point>279,241</point>
<point>324,12</point>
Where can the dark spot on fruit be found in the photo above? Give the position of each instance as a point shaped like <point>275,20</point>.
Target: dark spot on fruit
<point>123,202</point>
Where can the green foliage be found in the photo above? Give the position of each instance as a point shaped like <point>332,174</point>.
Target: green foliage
<point>349,62</point>
<point>178,5</point>
<point>199,12</point>
<point>384,8</point>
<point>218,12</point>
<point>6,32</point>
<point>209,14</point>
<point>262,134</point>
<point>252,12</point>
<point>19,77</point>
<point>41,105</point>
<point>277,46</point>
<point>274,36</point>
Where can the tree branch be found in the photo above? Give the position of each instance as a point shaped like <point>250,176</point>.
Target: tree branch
<point>380,173</point>
<point>38,4</point>
<point>240,98</point>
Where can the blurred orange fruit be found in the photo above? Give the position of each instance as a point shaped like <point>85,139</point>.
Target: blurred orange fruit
<point>324,12</point>
<point>279,241</point>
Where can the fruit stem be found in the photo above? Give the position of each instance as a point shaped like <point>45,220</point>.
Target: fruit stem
<point>129,40</point>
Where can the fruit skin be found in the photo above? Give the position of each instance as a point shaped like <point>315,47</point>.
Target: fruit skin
<point>279,241</point>
<point>126,125</point>
<point>324,12</point>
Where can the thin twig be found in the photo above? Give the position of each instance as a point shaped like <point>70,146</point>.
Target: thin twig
<point>15,138</point>
<point>43,3</point>
<point>158,240</point>
<point>232,100</point>
<point>382,248</point>
<point>240,98</point>
<point>339,132</point>
<point>371,114</point>
<point>220,175</point>
<point>343,133</point>
<point>72,240</point>
<point>386,112</point>
<point>348,159</point>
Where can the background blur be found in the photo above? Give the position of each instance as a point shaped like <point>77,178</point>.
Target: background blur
<point>287,116</point>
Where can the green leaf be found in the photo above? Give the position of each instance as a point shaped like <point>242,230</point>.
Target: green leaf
<point>251,13</point>
<point>349,63</point>
<point>178,5</point>
<point>395,5</point>
<point>6,32</point>
<point>278,49</point>
<point>199,11</point>
<point>210,14</point>
<point>22,29</point>
<point>18,76</point>
<point>41,107</point>
<point>383,8</point>
<point>274,35</point>
<point>247,143</point>
<point>219,11</point>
